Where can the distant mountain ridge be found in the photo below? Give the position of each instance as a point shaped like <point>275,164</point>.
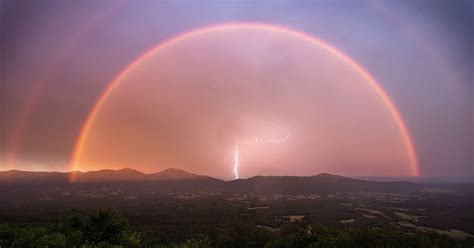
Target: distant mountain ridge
<point>105,175</point>
<point>179,180</point>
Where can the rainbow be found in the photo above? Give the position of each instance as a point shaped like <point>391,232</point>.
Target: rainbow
<point>38,89</point>
<point>405,135</point>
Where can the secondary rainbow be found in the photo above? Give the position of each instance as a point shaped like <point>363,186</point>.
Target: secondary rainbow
<point>405,135</point>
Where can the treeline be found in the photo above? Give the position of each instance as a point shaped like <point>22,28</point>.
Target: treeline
<point>106,228</point>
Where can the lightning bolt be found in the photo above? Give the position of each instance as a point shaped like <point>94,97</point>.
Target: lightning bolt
<point>236,161</point>
<point>257,140</point>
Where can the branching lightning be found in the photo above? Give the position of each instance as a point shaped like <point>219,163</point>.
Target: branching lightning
<point>258,140</point>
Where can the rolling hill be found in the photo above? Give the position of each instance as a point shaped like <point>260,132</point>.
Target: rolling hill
<point>174,179</point>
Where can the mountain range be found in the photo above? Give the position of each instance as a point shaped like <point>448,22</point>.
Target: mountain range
<point>174,179</point>
<point>106,175</point>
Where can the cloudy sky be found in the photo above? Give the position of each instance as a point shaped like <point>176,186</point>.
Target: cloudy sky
<point>186,107</point>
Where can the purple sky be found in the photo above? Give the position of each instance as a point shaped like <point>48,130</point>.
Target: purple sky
<point>57,57</point>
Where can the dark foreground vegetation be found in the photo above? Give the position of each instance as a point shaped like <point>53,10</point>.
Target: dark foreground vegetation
<point>107,228</point>
<point>175,208</point>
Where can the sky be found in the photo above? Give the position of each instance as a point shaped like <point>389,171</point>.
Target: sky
<point>189,105</point>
